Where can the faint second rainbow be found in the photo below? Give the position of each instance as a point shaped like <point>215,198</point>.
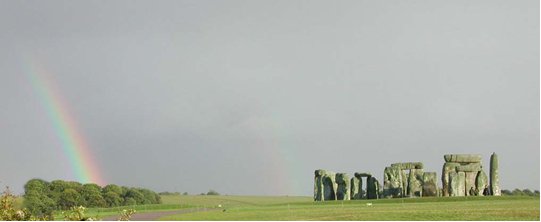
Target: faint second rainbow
<point>74,145</point>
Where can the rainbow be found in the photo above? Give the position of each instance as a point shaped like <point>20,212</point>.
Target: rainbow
<point>74,145</point>
<point>282,159</point>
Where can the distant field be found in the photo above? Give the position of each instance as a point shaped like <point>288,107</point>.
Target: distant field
<point>231,201</point>
<point>303,208</point>
<point>105,212</point>
<point>177,202</point>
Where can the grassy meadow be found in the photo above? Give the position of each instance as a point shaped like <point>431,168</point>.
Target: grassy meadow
<point>179,202</point>
<point>115,211</point>
<point>303,208</point>
<point>210,201</point>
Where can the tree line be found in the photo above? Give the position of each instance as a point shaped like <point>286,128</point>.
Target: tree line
<point>42,197</point>
<point>518,192</point>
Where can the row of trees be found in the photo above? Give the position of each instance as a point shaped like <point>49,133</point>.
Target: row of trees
<point>173,193</point>
<point>211,192</point>
<point>518,192</point>
<point>42,197</point>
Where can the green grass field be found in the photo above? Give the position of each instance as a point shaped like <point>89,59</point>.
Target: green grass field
<point>177,202</point>
<point>303,208</point>
<point>231,201</point>
<point>115,211</point>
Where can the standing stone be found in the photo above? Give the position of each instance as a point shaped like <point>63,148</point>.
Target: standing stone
<point>342,181</point>
<point>461,188</point>
<point>481,183</point>
<point>430,184</point>
<point>447,168</point>
<point>453,184</point>
<point>372,188</point>
<point>378,188</point>
<point>405,175</point>
<point>415,183</point>
<point>392,182</point>
<point>324,185</point>
<point>329,186</point>
<point>354,190</point>
<point>318,185</point>
<point>404,178</point>
<point>362,194</point>
<point>494,178</point>
<point>470,185</point>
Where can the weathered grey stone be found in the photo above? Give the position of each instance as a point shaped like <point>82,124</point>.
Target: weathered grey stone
<point>392,182</point>
<point>470,186</point>
<point>461,188</point>
<point>357,174</point>
<point>408,165</point>
<point>453,184</point>
<point>362,193</point>
<point>372,188</point>
<point>355,186</point>
<point>415,182</point>
<point>447,168</point>
<point>342,192</point>
<point>318,185</point>
<point>470,167</point>
<point>404,175</point>
<point>324,185</point>
<point>380,190</point>
<point>457,184</point>
<point>494,177</point>
<point>330,186</point>
<point>430,184</point>
<point>462,158</point>
<point>482,183</point>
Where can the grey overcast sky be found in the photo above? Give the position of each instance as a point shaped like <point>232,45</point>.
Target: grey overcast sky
<point>250,97</point>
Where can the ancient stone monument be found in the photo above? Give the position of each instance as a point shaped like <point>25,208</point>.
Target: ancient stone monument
<point>494,178</point>
<point>392,182</point>
<point>430,184</point>
<point>482,181</point>
<point>342,191</point>
<point>457,181</point>
<point>325,185</point>
<point>356,191</point>
<point>372,188</point>
<point>338,186</point>
<point>408,180</point>
<point>463,175</point>
<point>359,193</point>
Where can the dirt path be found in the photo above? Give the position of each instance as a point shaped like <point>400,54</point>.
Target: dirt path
<point>153,216</point>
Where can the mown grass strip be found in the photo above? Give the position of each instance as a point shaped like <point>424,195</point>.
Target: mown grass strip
<point>443,208</point>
